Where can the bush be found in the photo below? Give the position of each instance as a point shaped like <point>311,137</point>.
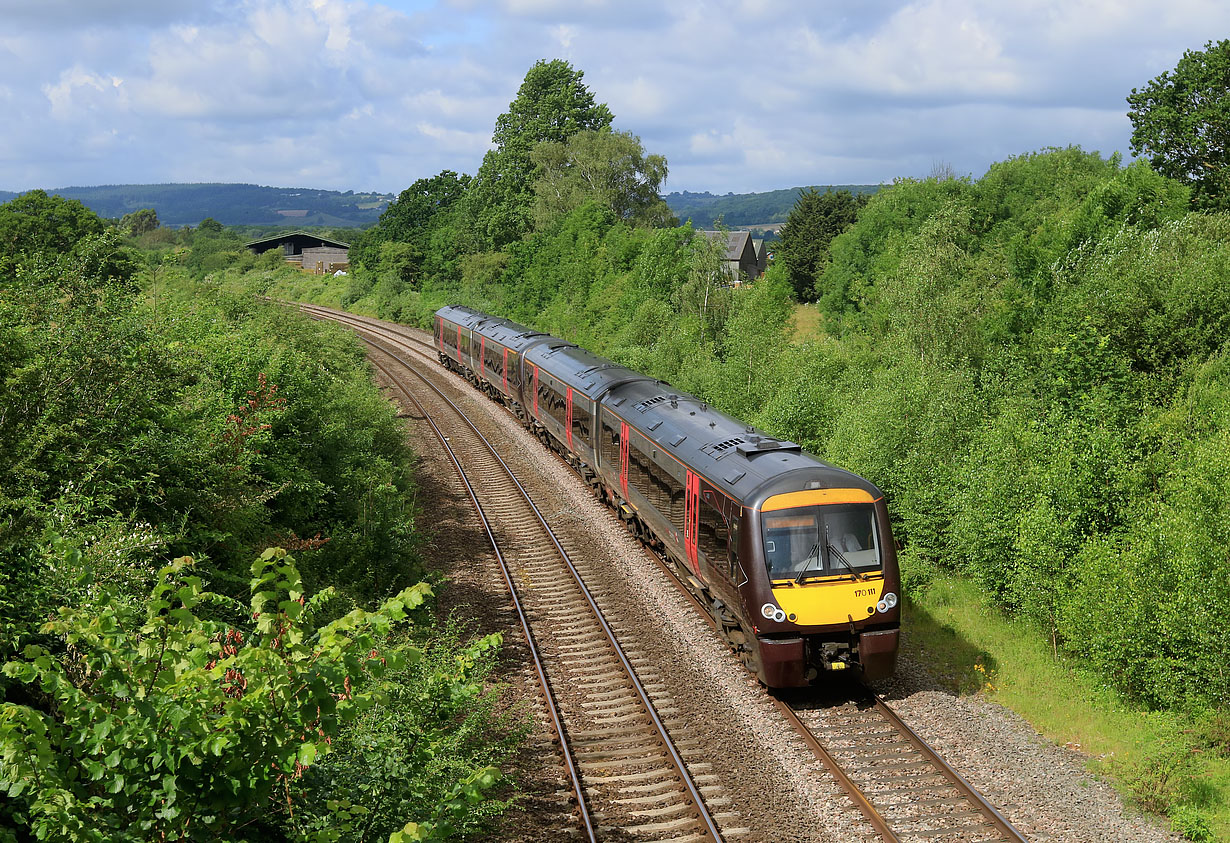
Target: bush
<point>184,727</point>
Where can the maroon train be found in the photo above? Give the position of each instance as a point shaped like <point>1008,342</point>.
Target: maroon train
<point>793,556</point>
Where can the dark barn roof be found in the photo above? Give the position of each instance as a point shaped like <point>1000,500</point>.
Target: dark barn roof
<point>299,239</point>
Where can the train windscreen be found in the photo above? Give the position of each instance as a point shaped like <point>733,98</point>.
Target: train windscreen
<point>821,541</point>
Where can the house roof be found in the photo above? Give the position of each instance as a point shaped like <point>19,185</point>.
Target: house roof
<point>302,237</point>
<point>736,241</point>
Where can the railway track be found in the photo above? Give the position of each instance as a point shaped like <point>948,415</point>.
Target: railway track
<point>903,787</point>
<point>630,776</point>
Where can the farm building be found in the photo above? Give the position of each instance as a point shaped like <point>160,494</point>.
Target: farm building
<point>740,258</point>
<point>311,252</point>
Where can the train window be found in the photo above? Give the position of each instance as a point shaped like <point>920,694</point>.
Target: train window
<point>832,540</point>
<point>580,418</point>
<point>713,537</point>
<point>609,446</point>
<point>557,405</point>
<point>639,475</point>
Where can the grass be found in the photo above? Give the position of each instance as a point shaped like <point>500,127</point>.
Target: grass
<point>805,322</point>
<point>1163,762</point>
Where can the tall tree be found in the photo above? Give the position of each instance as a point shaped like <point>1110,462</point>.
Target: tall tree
<point>813,222</point>
<point>608,167</point>
<point>1181,121</point>
<point>552,105</point>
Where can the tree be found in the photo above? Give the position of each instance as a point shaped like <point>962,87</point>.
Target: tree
<point>813,222</point>
<point>35,222</point>
<point>604,166</point>
<point>139,222</point>
<point>1181,121</point>
<point>552,104</point>
<point>410,217</point>
<point>209,225</point>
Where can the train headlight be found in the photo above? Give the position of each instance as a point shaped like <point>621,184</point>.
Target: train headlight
<point>772,613</point>
<point>887,602</point>
<point>882,607</point>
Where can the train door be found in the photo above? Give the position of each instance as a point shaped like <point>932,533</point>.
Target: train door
<point>691,521</point>
<point>535,392</point>
<point>623,459</point>
<point>440,332</point>
<point>505,373</point>
<point>568,419</point>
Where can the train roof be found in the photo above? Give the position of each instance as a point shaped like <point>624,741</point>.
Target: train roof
<point>508,333</point>
<point>742,461</point>
<point>581,369</point>
<point>461,314</point>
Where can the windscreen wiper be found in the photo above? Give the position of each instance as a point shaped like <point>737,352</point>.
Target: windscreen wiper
<point>815,549</point>
<point>833,550</point>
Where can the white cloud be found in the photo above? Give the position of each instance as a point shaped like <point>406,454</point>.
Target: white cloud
<point>738,94</point>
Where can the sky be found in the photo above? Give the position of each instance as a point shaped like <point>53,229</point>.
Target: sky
<point>739,95</point>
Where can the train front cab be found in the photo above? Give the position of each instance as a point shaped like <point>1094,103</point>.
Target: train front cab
<point>826,596</point>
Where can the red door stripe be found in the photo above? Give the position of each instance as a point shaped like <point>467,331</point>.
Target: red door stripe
<point>623,458</point>
<point>690,521</point>
<point>568,418</point>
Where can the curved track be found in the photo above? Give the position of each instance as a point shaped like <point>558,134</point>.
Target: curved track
<point>903,787</point>
<point>631,778</point>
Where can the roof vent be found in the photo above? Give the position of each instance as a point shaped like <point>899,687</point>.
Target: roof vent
<point>761,444</point>
<point>717,450</point>
<point>650,402</point>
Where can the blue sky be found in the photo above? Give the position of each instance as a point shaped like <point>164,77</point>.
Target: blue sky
<point>739,95</point>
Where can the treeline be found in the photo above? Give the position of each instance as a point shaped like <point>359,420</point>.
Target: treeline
<point>706,210</point>
<point>1031,364</point>
<point>158,435</point>
<point>231,204</point>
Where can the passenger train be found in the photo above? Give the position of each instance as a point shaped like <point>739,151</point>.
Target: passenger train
<point>794,557</point>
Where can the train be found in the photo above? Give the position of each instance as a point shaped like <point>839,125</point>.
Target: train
<point>793,557</point>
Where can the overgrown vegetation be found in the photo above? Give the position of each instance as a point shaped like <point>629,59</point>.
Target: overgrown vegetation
<point>149,413</point>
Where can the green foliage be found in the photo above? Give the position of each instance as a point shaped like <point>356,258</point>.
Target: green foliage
<point>813,222</point>
<point>409,220</point>
<point>1179,121</point>
<point>552,104</point>
<point>139,222</point>
<point>603,166</point>
<point>186,727</point>
<point>429,752</point>
<point>35,223</point>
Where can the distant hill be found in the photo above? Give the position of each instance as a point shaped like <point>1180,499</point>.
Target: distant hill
<point>230,204</point>
<point>745,210</point>
<point>250,204</point>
